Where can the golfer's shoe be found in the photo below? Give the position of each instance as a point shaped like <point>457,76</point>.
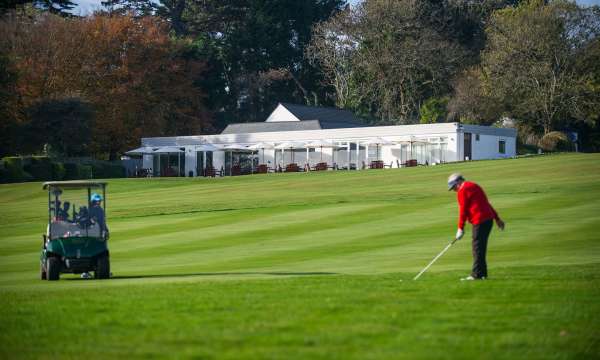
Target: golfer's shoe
<point>469,278</point>
<point>86,275</point>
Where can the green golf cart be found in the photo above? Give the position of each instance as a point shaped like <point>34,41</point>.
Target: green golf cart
<point>76,237</point>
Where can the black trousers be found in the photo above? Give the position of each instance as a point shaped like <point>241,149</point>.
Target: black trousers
<point>481,232</point>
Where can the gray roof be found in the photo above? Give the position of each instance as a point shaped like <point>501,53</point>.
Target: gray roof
<point>311,118</point>
<point>255,127</point>
<point>489,130</point>
<point>330,118</point>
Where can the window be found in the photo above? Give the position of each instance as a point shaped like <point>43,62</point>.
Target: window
<point>476,137</point>
<point>502,147</point>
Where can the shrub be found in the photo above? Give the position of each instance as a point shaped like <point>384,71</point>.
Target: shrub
<point>3,173</point>
<point>106,170</point>
<point>524,149</point>
<point>75,171</point>
<point>58,171</point>
<point>71,171</point>
<point>554,141</point>
<point>40,172</point>
<point>14,172</point>
<point>40,168</point>
<point>85,172</point>
<point>114,171</point>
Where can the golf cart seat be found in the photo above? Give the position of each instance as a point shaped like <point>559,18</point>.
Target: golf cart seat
<point>66,229</point>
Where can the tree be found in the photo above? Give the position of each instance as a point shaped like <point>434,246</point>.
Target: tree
<point>137,8</point>
<point>405,56</point>
<point>61,7</point>
<point>530,63</point>
<point>139,81</point>
<point>65,124</point>
<point>332,46</point>
<point>434,110</point>
<point>470,102</point>
<point>257,49</point>
<point>384,58</point>
<point>9,107</point>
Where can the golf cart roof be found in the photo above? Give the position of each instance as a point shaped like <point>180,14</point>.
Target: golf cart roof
<point>75,184</point>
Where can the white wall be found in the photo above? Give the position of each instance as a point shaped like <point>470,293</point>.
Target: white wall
<point>148,161</point>
<point>218,159</point>
<point>452,133</point>
<point>281,114</point>
<point>488,147</point>
<point>190,160</point>
<point>387,132</point>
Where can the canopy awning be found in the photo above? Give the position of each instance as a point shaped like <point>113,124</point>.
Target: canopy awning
<point>261,146</point>
<point>321,144</point>
<point>207,147</point>
<point>168,150</point>
<point>378,141</point>
<point>141,151</point>
<point>291,145</point>
<point>413,140</point>
<point>234,147</point>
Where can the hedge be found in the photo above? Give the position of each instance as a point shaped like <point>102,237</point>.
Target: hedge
<point>13,170</point>
<point>42,168</point>
<point>77,172</point>
<point>58,171</point>
<point>107,170</point>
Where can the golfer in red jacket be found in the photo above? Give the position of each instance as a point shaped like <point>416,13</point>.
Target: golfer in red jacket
<point>474,207</point>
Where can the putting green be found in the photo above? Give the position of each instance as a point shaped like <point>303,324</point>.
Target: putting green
<point>308,266</point>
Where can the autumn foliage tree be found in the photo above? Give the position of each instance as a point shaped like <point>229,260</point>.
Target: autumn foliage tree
<point>138,80</point>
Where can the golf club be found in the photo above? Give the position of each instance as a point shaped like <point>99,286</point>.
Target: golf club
<point>435,258</point>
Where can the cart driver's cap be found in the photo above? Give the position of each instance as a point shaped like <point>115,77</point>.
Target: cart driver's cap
<point>96,197</point>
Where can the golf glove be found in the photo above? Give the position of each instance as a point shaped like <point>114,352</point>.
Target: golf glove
<point>459,234</point>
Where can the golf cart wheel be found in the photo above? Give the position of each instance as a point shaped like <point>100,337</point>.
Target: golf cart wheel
<point>42,272</point>
<point>102,267</point>
<point>53,268</point>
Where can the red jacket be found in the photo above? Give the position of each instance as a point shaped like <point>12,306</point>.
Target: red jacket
<point>473,205</point>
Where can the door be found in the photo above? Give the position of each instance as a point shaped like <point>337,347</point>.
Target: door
<point>200,163</point>
<point>209,160</point>
<point>467,147</point>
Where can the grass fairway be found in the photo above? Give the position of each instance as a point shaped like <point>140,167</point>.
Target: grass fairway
<point>290,266</point>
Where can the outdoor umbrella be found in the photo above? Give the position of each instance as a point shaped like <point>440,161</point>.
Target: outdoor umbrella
<point>411,141</point>
<point>378,142</point>
<point>321,144</point>
<point>290,145</point>
<point>170,150</point>
<point>261,146</point>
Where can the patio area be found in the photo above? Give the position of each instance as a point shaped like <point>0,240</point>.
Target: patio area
<point>215,160</point>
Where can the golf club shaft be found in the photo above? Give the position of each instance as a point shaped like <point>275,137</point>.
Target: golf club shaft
<point>435,258</point>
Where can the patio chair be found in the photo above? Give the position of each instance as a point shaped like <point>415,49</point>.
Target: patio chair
<point>293,167</point>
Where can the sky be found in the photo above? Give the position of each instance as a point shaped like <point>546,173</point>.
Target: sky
<point>87,6</point>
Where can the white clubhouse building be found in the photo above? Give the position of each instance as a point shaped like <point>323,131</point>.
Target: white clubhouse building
<point>335,139</point>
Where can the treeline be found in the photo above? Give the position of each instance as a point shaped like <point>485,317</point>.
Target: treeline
<point>94,85</point>
<point>533,63</point>
<point>81,86</point>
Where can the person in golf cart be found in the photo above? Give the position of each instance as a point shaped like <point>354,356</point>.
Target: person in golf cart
<point>63,213</point>
<point>475,208</point>
<point>96,213</point>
